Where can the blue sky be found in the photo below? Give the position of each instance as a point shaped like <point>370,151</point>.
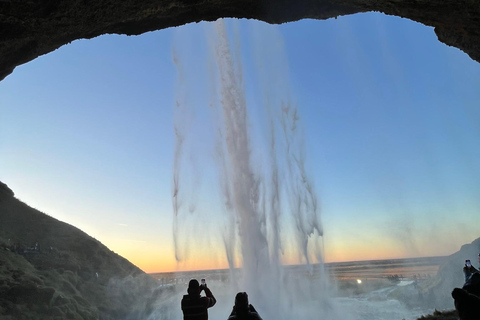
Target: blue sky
<point>391,119</point>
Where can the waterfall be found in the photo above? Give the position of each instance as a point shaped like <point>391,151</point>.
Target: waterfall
<point>268,204</point>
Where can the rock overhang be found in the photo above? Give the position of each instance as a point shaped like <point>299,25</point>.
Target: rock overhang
<point>29,29</point>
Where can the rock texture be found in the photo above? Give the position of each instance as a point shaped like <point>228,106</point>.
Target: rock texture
<point>52,270</point>
<point>441,315</point>
<point>30,28</point>
<point>5,191</point>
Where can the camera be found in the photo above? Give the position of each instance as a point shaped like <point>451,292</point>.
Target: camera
<point>203,283</point>
<point>468,263</point>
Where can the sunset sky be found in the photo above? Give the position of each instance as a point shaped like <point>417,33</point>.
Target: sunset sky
<point>391,119</point>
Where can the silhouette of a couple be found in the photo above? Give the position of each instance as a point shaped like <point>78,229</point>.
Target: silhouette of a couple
<point>195,307</point>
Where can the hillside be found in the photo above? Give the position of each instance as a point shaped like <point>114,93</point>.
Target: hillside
<point>52,270</point>
<point>450,276</point>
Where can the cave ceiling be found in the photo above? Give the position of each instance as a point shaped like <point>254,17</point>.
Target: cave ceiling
<point>31,28</point>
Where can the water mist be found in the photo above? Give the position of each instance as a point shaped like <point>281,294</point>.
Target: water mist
<point>270,208</point>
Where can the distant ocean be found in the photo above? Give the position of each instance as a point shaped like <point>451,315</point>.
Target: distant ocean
<point>411,268</point>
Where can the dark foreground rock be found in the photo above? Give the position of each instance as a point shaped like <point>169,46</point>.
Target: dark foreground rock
<point>467,305</point>
<point>441,315</point>
<point>31,28</point>
<point>48,270</point>
<point>5,191</point>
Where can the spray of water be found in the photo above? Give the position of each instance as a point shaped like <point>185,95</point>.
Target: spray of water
<point>271,210</point>
<point>179,145</point>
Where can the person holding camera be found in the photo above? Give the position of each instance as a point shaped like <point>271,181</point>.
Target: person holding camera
<point>468,270</point>
<point>472,279</point>
<point>194,306</point>
<point>242,310</point>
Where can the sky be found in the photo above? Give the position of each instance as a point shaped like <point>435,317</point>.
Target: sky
<point>390,117</point>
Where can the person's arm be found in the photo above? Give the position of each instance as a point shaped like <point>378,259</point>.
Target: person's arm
<point>233,315</point>
<point>211,298</point>
<point>254,314</point>
<point>469,270</point>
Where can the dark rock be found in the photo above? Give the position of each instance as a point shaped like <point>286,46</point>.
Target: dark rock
<point>60,300</point>
<point>5,190</point>
<point>29,29</point>
<point>67,287</point>
<point>56,312</point>
<point>441,315</point>
<point>467,305</point>
<point>81,301</point>
<point>30,294</point>
<point>63,279</point>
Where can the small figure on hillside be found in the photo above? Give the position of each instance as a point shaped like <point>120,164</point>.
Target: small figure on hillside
<point>242,310</point>
<point>194,306</point>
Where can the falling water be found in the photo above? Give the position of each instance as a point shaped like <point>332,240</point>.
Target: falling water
<point>266,207</point>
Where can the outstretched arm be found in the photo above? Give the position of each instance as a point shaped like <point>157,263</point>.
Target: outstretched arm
<point>211,298</point>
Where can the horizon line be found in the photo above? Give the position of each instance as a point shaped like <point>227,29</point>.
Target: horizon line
<point>298,265</point>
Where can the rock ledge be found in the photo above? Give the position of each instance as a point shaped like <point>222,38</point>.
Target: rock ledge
<point>30,28</point>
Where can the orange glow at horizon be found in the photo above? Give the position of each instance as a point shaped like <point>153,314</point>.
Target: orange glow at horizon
<point>152,257</point>
<point>166,263</point>
<point>155,258</point>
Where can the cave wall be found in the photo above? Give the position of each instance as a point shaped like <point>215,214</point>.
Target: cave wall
<point>30,28</point>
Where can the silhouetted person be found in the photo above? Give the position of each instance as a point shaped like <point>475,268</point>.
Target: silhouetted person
<point>242,310</point>
<point>472,279</point>
<point>467,299</point>
<point>468,271</point>
<point>194,306</point>
<point>466,304</point>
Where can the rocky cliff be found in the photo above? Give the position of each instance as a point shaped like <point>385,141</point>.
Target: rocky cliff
<point>438,290</point>
<point>52,270</point>
<point>30,28</point>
